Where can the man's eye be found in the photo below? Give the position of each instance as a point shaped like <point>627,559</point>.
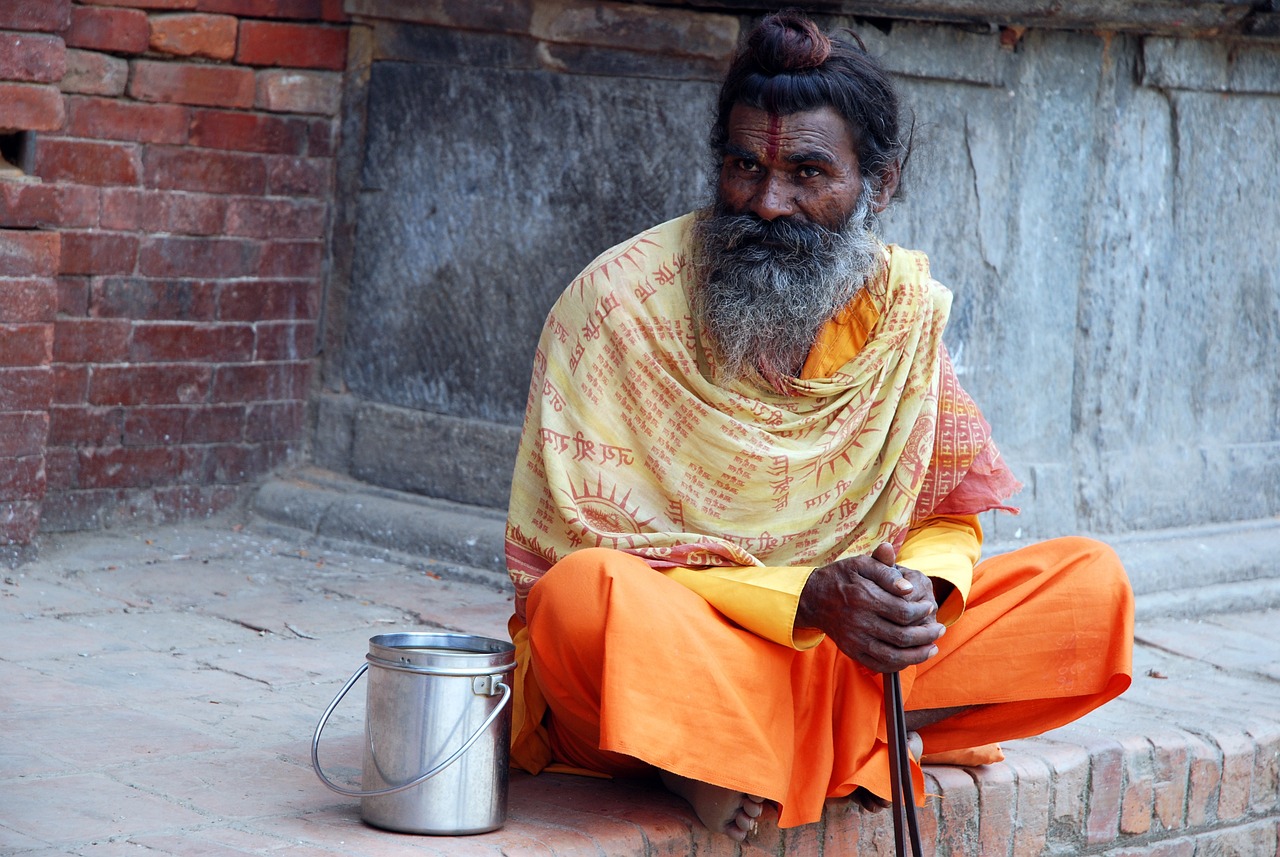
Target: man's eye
<point>808,172</point>
<point>748,166</point>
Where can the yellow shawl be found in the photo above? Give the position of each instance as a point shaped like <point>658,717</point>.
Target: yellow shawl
<point>632,442</point>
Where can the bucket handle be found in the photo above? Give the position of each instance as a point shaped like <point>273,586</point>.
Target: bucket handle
<point>421,778</point>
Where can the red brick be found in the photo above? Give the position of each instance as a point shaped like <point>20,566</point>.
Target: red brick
<point>292,45</point>
<point>143,4</point>
<point>275,421</point>
<point>91,340</point>
<point>292,91</point>
<point>153,426</point>
<point>23,434</point>
<point>1137,798</point>
<point>181,424</point>
<point>26,254</point>
<point>122,31</point>
<point>77,426</point>
<point>186,501</point>
<point>260,300</point>
<point>1237,775</point>
<point>1105,780</point>
<point>112,119</point>
<point>259,382</point>
<point>180,168</point>
<point>133,467</point>
<point>215,424</point>
<point>302,9</point>
<point>298,176</point>
<point>98,253</point>
<point>276,218</point>
<point>187,83</point>
<point>19,522</point>
<point>1265,795</point>
<point>30,107</point>
<point>1169,771</point>
<point>144,299</point>
<point>93,73</point>
<point>1204,782</point>
<point>182,342</point>
<point>152,384</point>
<point>248,132</point>
<point>32,57</point>
<point>22,478</point>
<point>998,805</point>
<point>195,35</point>
<point>86,162</point>
<point>292,259</point>
<point>163,211</point>
<point>49,16</point>
<point>236,463</point>
<point>322,139</point>
<point>192,257</point>
<point>285,341</point>
<point>26,344</point>
<point>334,12</point>
<point>26,389</point>
<point>28,300</point>
<point>70,384</point>
<point>73,296</point>
<point>27,205</point>
<point>62,466</point>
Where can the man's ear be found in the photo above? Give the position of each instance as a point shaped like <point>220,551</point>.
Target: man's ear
<point>888,186</point>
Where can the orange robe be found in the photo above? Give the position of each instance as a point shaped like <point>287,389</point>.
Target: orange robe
<point>638,670</point>
<point>627,663</point>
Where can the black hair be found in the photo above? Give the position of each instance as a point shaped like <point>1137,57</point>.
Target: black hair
<point>787,65</point>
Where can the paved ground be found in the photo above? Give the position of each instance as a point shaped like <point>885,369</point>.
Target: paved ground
<point>159,687</point>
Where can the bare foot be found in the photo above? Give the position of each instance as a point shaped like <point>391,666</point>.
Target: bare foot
<point>874,803</point>
<point>722,810</point>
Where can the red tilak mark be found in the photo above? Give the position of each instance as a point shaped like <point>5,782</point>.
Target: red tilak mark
<point>774,140</point>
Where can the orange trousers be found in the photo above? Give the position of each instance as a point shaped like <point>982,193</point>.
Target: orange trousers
<point>639,671</point>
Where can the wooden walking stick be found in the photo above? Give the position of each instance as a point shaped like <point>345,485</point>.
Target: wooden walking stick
<point>904,805</point>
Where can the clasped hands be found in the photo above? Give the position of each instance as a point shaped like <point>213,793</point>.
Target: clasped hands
<point>880,614</point>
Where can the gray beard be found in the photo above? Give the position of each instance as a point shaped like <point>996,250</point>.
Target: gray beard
<point>765,289</point>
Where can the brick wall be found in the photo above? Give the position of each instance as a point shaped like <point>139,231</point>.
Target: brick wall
<point>162,244</point>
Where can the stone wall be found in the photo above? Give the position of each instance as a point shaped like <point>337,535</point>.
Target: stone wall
<point>1102,203</point>
<point>164,205</point>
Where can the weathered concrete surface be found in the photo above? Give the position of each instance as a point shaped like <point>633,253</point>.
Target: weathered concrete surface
<point>1103,207</point>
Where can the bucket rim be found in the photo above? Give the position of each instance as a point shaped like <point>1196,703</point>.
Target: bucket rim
<point>441,653</point>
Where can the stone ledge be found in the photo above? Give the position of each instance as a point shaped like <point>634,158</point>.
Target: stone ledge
<point>1186,572</point>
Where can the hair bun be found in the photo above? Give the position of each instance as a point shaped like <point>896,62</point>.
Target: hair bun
<point>787,42</point>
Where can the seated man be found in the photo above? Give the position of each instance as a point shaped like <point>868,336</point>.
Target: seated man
<point>749,481</point>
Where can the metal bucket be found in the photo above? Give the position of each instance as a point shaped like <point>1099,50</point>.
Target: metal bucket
<point>437,735</point>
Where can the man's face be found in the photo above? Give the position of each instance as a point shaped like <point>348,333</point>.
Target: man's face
<point>802,166</point>
<point>789,241</point>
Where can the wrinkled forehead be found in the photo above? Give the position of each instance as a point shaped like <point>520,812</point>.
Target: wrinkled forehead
<point>818,134</point>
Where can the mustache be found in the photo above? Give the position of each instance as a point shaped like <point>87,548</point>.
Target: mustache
<point>783,239</point>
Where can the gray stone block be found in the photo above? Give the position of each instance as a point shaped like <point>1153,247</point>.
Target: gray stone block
<point>1211,66</point>
<point>467,461</point>
<point>484,192</point>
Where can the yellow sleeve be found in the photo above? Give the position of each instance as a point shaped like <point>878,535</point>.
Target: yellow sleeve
<point>945,547</point>
<point>762,599</point>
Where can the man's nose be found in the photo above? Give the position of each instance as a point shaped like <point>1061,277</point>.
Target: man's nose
<point>772,199</point>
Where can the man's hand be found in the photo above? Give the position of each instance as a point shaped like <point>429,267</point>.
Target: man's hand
<point>878,613</point>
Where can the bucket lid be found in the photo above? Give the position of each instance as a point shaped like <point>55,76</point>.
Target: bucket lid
<point>441,654</point>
